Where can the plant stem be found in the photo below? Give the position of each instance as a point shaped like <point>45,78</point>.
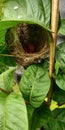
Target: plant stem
<point>7,92</point>
<point>54,28</point>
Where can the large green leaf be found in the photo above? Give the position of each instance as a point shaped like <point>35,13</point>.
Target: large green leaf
<point>50,120</point>
<point>32,11</point>
<point>35,84</point>
<point>60,55</point>
<point>6,79</point>
<point>13,114</point>
<point>62,27</point>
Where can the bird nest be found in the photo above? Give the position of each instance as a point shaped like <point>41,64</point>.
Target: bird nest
<point>27,43</point>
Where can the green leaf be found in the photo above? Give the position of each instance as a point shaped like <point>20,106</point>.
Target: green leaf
<point>37,12</point>
<point>60,55</point>
<point>30,111</point>
<point>35,84</point>
<point>4,25</point>
<point>59,96</point>
<point>13,114</point>
<point>60,81</point>
<point>32,11</point>
<point>2,36</point>
<point>62,27</point>
<point>6,63</point>
<point>3,67</point>
<point>57,120</point>
<point>57,67</point>
<point>40,116</point>
<point>5,59</point>
<point>6,79</point>
<point>50,120</point>
<point>37,129</point>
<point>1,6</point>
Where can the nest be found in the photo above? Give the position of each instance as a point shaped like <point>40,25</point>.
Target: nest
<point>27,43</point>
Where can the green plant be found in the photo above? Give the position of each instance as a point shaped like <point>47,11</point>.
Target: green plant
<point>38,101</point>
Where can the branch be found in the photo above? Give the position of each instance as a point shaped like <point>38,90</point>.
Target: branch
<point>54,28</point>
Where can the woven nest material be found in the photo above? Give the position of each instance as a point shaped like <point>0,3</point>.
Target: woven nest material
<point>27,43</point>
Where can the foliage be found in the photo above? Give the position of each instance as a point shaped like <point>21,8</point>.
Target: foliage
<point>60,55</point>
<point>35,84</point>
<point>61,29</point>
<point>7,83</point>
<point>12,112</point>
<point>50,120</point>
<point>37,11</point>
<point>27,108</point>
